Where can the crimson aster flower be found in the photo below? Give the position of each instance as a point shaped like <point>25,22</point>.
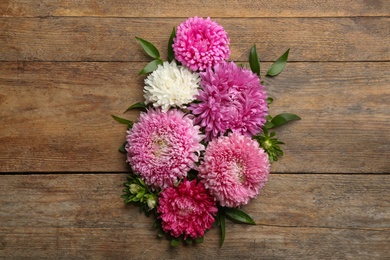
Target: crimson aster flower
<point>231,98</point>
<point>234,169</point>
<point>163,147</point>
<point>200,43</point>
<point>186,210</point>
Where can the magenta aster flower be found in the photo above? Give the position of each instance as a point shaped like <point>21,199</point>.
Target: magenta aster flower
<point>200,43</point>
<point>234,170</point>
<point>186,210</point>
<point>231,98</point>
<point>163,146</point>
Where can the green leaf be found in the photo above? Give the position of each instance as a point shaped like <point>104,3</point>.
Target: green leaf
<point>239,216</point>
<point>175,242</point>
<point>122,120</point>
<point>268,125</point>
<point>136,105</point>
<point>269,100</point>
<point>284,118</point>
<point>254,61</point>
<point>122,149</point>
<point>223,227</point>
<point>279,65</point>
<point>150,49</point>
<point>151,66</point>
<point>199,240</point>
<point>171,54</point>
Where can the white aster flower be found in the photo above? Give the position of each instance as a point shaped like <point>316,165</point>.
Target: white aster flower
<point>171,85</point>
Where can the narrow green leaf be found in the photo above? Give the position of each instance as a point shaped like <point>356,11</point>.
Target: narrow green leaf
<point>122,149</point>
<point>175,242</point>
<point>223,227</point>
<point>171,54</point>
<point>254,61</point>
<point>150,49</point>
<point>239,216</point>
<point>199,240</point>
<point>121,120</point>
<point>279,65</point>
<point>268,125</point>
<point>130,125</point>
<point>269,100</point>
<point>151,66</point>
<point>284,118</point>
<point>136,105</point>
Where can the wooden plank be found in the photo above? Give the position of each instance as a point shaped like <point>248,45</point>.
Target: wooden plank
<point>172,8</point>
<point>112,39</point>
<point>64,119</point>
<point>82,215</point>
<point>129,243</point>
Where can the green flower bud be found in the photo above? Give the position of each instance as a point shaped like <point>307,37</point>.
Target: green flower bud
<point>134,188</point>
<point>151,201</point>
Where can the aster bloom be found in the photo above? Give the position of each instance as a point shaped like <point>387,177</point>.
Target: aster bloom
<point>234,169</point>
<point>186,210</point>
<point>163,147</point>
<point>231,98</point>
<point>200,43</point>
<point>170,86</point>
<point>199,100</point>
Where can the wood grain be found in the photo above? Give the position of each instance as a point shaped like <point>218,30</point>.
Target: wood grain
<point>112,39</point>
<point>64,123</point>
<point>66,66</point>
<point>172,8</point>
<point>79,215</point>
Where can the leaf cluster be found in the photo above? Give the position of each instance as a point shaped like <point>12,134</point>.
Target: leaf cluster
<point>153,52</point>
<point>268,141</point>
<point>276,68</point>
<point>138,193</point>
<point>234,214</point>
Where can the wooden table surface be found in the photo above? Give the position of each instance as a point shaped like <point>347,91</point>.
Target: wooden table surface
<point>66,66</point>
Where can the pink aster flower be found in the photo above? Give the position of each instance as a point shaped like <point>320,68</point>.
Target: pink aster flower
<point>186,210</point>
<point>234,170</point>
<point>163,146</point>
<point>231,98</point>
<point>200,43</point>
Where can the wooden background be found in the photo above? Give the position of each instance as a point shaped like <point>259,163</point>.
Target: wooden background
<point>67,65</point>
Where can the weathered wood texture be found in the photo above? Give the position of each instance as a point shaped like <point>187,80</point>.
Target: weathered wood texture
<point>174,8</point>
<point>82,216</point>
<point>112,39</point>
<point>66,66</point>
<point>64,123</point>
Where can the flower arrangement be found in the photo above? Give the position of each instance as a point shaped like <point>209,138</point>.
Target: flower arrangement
<point>202,147</point>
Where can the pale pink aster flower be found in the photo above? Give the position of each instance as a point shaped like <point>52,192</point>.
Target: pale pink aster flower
<point>234,169</point>
<point>186,210</point>
<point>163,147</point>
<point>200,43</point>
<point>231,98</point>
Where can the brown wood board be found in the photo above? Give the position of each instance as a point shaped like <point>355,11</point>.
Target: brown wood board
<point>83,216</point>
<point>64,122</point>
<point>66,66</point>
<point>174,8</point>
<point>113,39</point>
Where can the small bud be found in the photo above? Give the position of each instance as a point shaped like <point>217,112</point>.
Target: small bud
<point>267,144</point>
<point>134,188</point>
<point>151,201</point>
